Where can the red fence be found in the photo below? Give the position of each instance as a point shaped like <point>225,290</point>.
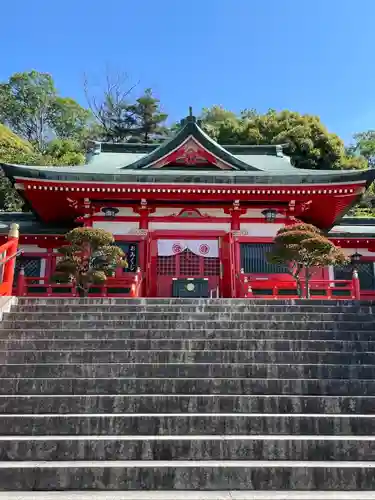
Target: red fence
<point>319,289</point>
<point>128,286</point>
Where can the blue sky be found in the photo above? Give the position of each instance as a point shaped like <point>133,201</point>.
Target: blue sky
<point>312,56</point>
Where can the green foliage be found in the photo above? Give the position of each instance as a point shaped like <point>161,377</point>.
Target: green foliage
<point>88,258</point>
<point>148,118</point>
<point>306,139</point>
<point>13,149</point>
<point>301,247</point>
<point>64,152</point>
<point>32,108</point>
<point>69,120</point>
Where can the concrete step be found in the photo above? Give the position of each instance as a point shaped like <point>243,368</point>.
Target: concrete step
<point>110,301</point>
<point>174,403</point>
<point>185,334</point>
<point>363,308</point>
<point>190,495</point>
<point>173,316</point>
<point>207,447</point>
<point>188,370</point>
<point>186,424</point>
<point>185,323</point>
<point>329,387</point>
<point>20,356</point>
<point>202,344</point>
<point>185,475</point>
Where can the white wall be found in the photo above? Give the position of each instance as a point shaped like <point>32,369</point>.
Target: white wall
<point>195,226</point>
<point>31,248</point>
<point>120,228</point>
<point>261,230</point>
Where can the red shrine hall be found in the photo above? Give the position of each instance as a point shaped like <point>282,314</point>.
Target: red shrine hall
<point>195,218</point>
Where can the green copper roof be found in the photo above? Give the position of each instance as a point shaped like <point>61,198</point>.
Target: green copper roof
<point>186,176</point>
<point>190,128</point>
<point>29,224</point>
<point>132,163</point>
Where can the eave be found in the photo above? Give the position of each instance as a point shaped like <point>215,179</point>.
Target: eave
<point>186,176</point>
<point>63,201</point>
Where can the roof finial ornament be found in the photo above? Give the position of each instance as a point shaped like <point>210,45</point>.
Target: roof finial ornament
<point>190,110</point>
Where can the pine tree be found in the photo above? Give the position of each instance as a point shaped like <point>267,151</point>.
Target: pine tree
<point>149,118</point>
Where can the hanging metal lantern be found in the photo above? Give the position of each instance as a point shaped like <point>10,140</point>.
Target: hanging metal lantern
<point>270,214</point>
<point>110,212</point>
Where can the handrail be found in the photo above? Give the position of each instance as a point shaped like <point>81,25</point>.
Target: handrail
<point>10,249</point>
<point>7,259</point>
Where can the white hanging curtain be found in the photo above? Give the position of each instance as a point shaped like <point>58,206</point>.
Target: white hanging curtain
<point>204,248</point>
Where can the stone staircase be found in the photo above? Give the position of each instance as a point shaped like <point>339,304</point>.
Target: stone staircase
<point>187,399</point>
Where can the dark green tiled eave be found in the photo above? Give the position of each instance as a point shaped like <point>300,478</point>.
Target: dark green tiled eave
<point>84,174</point>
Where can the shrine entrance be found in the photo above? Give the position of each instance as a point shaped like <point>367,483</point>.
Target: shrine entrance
<point>188,268</point>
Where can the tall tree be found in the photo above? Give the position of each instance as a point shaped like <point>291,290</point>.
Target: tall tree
<point>306,139</point>
<point>31,107</point>
<point>364,146</point>
<point>111,107</point>
<point>69,120</point>
<point>149,118</point>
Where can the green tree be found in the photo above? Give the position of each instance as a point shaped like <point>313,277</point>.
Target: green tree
<point>64,152</point>
<point>148,118</point>
<point>13,149</point>
<point>88,258</point>
<point>221,124</point>
<point>364,146</point>
<point>31,107</point>
<point>306,140</point>
<point>301,247</point>
<point>69,120</point>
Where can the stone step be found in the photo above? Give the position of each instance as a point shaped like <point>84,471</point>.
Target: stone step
<point>185,475</point>
<point>186,424</point>
<point>182,334</point>
<point>309,387</point>
<point>190,447</point>
<point>189,495</point>
<point>20,356</point>
<point>206,316</point>
<point>186,356</point>
<point>175,403</point>
<point>145,301</point>
<point>188,370</point>
<point>188,345</point>
<point>185,323</point>
<point>240,306</point>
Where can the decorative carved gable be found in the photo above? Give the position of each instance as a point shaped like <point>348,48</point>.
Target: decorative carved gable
<point>191,154</point>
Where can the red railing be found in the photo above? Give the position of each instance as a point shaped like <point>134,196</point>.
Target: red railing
<point>274,289</point>
<point>35,286</point>
<point>8,253</point>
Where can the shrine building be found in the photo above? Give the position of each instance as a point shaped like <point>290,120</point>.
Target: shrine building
<point>195,218</point>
